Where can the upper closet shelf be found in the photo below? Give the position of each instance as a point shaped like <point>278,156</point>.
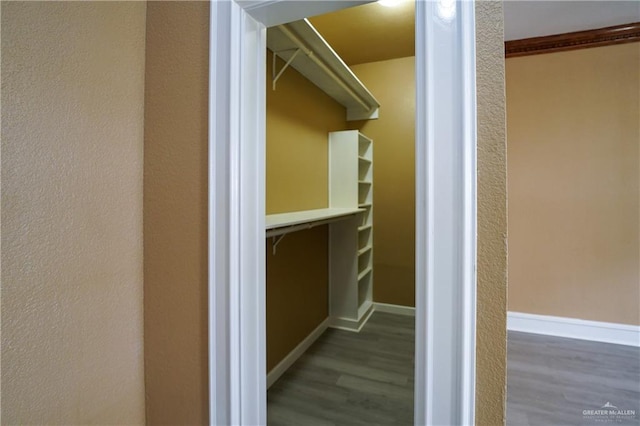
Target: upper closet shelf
<point>284,223</point>
<point>303,48</point>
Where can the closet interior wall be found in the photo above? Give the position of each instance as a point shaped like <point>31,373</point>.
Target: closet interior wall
<point>298,120</point>
<point>299,117</point>
<point>393,83</point>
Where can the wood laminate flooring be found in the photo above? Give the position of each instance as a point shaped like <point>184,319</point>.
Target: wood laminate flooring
<point>348,378</point>
<point>553,380</point>
<point>366,378</point>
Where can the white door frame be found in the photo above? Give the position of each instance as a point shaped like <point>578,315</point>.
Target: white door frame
<point>445,208</point>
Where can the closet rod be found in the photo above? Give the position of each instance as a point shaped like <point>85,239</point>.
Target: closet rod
<point>293,37</point>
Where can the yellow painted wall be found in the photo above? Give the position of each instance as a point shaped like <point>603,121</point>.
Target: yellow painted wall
<point>72,254</point>
<point>297,290</point>
<point>393,83</point>
<point>299,119</point>
<point>491,321</point>
<point>175,212</point>
<point>574,138</point>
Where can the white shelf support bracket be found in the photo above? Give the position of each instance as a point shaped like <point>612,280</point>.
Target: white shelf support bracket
<point>276,241</point>
<point>286,65</point>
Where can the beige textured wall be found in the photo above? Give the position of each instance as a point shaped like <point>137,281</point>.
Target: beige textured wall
<point>574,213</point>
<point>72,140</point>
<point>492,216</point>
<point>175,212</point>
<point>299,119</point>
<point>393,84</point>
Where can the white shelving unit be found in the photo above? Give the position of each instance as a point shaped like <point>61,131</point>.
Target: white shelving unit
<point>351,240</point>
<point>284,223</point>
<point>303,48</point>
<point>281,224</point>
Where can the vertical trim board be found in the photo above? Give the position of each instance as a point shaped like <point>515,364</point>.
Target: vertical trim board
<point>445,213</point>
<point>237,342</point>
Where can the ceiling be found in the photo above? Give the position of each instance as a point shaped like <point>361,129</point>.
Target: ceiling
<point>369,33</point>
<point>524,19</point>
<point>374,32</point>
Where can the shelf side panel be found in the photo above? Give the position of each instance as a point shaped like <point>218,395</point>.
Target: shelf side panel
<point>343,169</point>
<point>343,269</point>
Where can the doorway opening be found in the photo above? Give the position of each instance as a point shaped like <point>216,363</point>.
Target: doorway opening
<point>340,296</point>
<point>445,208</point>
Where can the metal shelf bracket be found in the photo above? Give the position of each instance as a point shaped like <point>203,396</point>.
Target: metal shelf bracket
<point>276,240</point>
<point>286,65</point>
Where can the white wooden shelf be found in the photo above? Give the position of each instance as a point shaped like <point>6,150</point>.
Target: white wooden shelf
<point>364,160</point>
<point>364,250</point>
<point>304,49</point>
<point>284,223</point>
<point>364,228</point>
<point>364,273</point>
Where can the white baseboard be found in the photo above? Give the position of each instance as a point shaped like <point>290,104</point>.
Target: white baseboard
<point>348,324</point>
<point>339,323</point>
<point>409,311</point>
<point>296,353</point>
<point>353,325</point>
<point>620,334</point>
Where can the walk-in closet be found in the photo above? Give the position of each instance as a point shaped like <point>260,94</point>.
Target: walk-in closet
<point>340,219</point>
